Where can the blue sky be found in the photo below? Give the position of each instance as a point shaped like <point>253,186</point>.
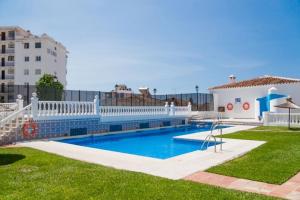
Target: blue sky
<point>171,45</point>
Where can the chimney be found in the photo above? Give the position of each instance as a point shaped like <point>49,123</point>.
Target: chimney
<point>232,78</point>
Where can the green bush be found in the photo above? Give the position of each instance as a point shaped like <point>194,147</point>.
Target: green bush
<point>49,88</point>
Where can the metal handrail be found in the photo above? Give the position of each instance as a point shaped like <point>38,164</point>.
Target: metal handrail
<point>210,135</point>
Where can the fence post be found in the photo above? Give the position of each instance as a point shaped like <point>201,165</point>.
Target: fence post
<point>172,108</point>
<point>27,93</point>
<point>167,108</point>
<point>189,107</point>
<point>96,105</point>
<point>34,105</point>
<point>266,118</point>
<point>20,102</point>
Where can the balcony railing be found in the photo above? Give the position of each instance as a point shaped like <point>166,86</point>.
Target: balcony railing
<point>10,38</point>
<point>9,64</point>
<point>10,50</point>
<point>7,51</point>
<point>9,76</point>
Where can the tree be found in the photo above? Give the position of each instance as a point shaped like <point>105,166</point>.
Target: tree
<point>49,88</point>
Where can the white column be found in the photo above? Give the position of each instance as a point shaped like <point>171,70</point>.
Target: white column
<point>20,102</point>
<point>257,109</point>
<point>266,118</point>
<point>216,102</point>
<point>172,109</point>
<point>34,105</point>
<point>167,108</point>
<point>273,103</point>
<point>189,108</point>
<point>96,105</point>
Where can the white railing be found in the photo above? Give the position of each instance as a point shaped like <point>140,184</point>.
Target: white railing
<point>109,111</point>
<point>7,108</point>
<point>182,111</point>
<point>17,116</point>
<point>64,108</point>
<point>280,119</point>
<point>43,110</point>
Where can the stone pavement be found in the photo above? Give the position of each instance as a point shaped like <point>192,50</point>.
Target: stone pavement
<point>288,190</point>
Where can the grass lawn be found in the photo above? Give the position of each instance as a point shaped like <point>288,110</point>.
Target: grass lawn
<point>31,174</point>
<point>273,162</point>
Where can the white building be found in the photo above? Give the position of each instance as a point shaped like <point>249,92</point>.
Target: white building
<point>250,98</point>
<point>26,57</point>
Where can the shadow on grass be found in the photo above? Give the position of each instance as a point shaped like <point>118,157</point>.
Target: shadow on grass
<point>6,159</point>
<point>294,129</point>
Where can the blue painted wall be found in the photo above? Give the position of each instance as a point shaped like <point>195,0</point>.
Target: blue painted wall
<point>264,102</point>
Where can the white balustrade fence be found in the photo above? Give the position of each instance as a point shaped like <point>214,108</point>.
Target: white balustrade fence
<point>281,119</point>
<point>182,111</point>
<point>7,108</point>
<point>106,111</point>
<point>42,110</point>
<point>65,108</point>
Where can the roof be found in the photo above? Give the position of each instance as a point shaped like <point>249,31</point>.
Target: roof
<point>264,80</point>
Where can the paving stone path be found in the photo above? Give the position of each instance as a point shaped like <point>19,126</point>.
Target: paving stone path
<point>288,190</point>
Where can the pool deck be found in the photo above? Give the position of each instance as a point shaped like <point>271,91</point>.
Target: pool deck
<point>173,168</point>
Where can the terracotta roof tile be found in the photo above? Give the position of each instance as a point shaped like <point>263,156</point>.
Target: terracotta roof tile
<point>265,80</point>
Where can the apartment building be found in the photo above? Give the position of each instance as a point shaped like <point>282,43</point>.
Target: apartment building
<point>25,57</point>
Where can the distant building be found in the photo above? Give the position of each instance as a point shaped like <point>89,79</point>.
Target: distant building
<point>122,90</point>
<point>145,91</point>
<point>250,98</point>
<point>26,57</point>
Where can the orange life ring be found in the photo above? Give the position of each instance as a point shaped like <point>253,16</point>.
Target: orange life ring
<point>29,129</point>
<point>229,106</point>
<point>246,106</point>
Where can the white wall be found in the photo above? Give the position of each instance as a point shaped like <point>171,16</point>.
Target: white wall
<point>250,94</point>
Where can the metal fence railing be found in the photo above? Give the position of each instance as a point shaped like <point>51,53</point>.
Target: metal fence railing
<point>199,101</point>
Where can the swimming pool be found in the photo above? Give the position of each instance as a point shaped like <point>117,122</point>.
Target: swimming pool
<point>159,143</point>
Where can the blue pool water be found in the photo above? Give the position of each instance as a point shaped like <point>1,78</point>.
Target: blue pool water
<point>150,143</point>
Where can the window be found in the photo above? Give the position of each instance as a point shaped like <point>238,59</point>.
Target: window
<point>38,45</point>
<point>53,53</point>
<point>11,58</point>
<point>38,71</point>
<point>10,71</point>
<point>26,45</point>
<point>238,100</point>
<point>26,58</point>
<point>11,45</point>
<point>38,58</point>
<point>25,84</point>
<point>26,71</point>
<point>2,87</point>
<point>11,34</point>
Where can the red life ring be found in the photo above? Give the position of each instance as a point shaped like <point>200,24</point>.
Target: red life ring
<point>246,106</point>
<point>29,129</point>
<point>229,106</point>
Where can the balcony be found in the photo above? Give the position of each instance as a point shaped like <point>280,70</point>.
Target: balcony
<point>10,50</point>
<point>8,64</point>
<point>8,77</point>
<point>10,38</point>
<point>7,51</point>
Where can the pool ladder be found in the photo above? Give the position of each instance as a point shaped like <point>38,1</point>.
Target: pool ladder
<point>212,136</point>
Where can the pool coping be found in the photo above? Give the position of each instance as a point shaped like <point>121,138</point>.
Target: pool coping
<point>173,168</point>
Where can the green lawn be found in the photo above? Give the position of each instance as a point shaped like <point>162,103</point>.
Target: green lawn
<point>273,162</point>
<point>31,174</point>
